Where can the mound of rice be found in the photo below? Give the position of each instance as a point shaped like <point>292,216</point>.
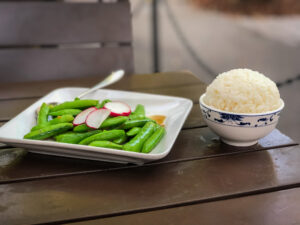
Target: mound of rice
<point>243,91</point>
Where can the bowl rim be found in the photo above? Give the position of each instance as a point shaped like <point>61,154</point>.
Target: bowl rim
<point>244,114</point>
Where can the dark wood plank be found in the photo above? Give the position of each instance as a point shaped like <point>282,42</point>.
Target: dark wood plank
<point>135,82</point>
<point>192,92</point>
<point>195,118</point>
<point>114,192</point>
<point>50,63</point>
<point>276,208</point>
<point>190,145</point>
<point>40,23</point>
<point>10,108</point>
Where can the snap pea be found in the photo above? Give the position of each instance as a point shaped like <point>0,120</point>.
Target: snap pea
<point>121,140</point>
<point>133,131</point>
<point>139,113</point>
<point>76,104</point>
<point>72,112</point>
<point>48,131</point>
<point>81,128</point>
<point>43,114</point>
<point>104,102</point>
<point>74,138</point>
<point>113,122</point>
<point>156,126</point>
<point>105,144</point>
<point>135,123</point>
<point>57,120</point>
<point>136,143</point>
<point>98,105</point>
<point>153,140</point>
<point>103,136</point>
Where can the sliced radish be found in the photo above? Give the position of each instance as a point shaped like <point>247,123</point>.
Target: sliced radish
<point>81,117</point>
<point>118,108</point>
<point>96,118</point>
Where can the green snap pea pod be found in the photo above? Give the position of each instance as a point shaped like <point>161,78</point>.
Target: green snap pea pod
<point>98,105</point>
<point>139,113</point>
<point>72,112</point>
<point>61,119</point>
<point>105,144</point>
<point>43,115</point>
<point>121,140</point>
<point>104,102</point>
<point>153,140</point>
<point>49,131</point>
<point>136,143</point>
<point>51,106</point>
<point>103,136</point>
<point>113,122</point>
<point>74,138</point>
<point>57,120</point>
<point>156,126</point>
<point>76,104</point>
<point>133,131</point>
<point>82,128</point>
<point>135,123</point>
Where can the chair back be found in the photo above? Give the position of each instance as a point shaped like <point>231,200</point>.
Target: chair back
<point>42,40</point>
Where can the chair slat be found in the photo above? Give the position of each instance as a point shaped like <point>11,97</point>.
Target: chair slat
<point>39,23</point>
<point>48,64</point>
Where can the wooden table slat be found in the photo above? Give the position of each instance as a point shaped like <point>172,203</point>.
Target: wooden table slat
<point>136,82</point>
<point>110,192</point>
<point>276,208</point>
<point>35,166</point>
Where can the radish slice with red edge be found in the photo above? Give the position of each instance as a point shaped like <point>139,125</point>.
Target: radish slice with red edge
<point>118,108</point>
<point>96,118</point>
<point>81,117</point>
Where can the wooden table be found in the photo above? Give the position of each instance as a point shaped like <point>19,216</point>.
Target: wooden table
<point>201,181</point>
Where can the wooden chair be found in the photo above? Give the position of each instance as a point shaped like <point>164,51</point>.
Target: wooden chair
<point>42,40</point>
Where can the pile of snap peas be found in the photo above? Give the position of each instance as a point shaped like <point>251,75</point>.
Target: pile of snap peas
<point>135,132</point>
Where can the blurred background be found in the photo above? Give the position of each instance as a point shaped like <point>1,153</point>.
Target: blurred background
<point>208,37</point>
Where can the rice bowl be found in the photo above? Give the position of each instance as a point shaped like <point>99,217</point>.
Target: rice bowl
<point>241,106</point>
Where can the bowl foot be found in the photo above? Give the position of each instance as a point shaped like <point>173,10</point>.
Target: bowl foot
<point>239,143</point>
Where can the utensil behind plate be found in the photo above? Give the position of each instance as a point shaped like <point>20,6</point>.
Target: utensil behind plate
<point>110,79</point>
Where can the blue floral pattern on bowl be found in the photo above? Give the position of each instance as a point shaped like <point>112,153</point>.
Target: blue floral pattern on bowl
<point>237,120</point>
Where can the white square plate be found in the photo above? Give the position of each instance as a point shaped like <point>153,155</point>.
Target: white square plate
<point>175,109</point>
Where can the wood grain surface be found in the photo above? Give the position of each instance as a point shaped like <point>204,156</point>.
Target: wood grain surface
<point>18,90</point>
<point>33,63</point>
<point>46,23</point>
<point>34,166</point>
<point>117,191</point>
<point>276,208</point>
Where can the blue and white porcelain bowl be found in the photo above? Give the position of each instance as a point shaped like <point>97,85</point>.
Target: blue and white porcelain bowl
<point>239,129</point>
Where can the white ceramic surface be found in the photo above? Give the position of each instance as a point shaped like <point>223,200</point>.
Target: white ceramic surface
<point>239,129</point>
<point>175,109</point>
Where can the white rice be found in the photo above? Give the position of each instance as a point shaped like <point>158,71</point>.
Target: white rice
<point>243,91</point>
